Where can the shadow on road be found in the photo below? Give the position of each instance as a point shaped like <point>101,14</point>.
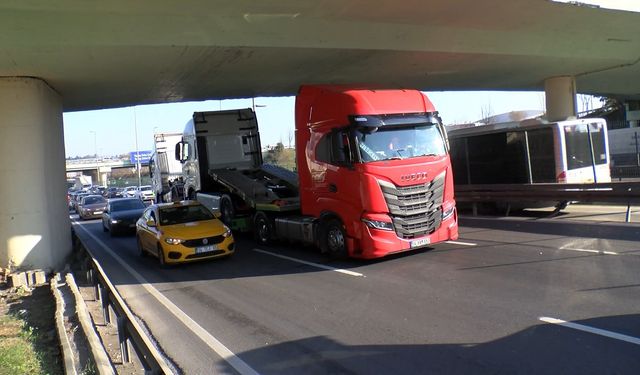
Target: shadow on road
<point>540,349</point>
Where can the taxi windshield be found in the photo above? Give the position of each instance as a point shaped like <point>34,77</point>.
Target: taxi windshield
<point>184,214</point>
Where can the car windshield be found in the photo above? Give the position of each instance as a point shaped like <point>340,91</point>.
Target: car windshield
<point>93,200</point>
<point>145,187</point>
<point>127,204</point>
<point>184,214</point>
<point>400,142</point>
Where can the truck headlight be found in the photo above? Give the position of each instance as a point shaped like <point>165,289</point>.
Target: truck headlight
<point>378,224</point>
<point>173,241</point>
<point>448,212</point>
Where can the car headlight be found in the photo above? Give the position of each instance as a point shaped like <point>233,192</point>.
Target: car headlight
<point>227,232</point>
<point>114,221</point>
<point>377,224</point>
<point>173,241</point>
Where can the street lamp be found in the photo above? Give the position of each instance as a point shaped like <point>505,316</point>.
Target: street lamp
<point>135,127</point>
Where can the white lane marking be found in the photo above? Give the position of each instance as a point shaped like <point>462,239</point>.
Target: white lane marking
<point>213,343</point>
<point>322,266</point>
<point>461,243</point>
<point>596,331</point>
<point>590,251</point>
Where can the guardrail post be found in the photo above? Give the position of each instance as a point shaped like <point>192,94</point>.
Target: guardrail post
<point>122,338</point>
<point>628,217</point>
<point>104,299</point>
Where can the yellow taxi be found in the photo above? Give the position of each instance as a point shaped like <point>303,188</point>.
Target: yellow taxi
<point>182,232</point>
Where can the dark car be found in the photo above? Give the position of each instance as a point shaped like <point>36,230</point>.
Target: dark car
<point>92,207</point>
<point>77,199</point>
<point>113,192</point>
<point>121,215</point>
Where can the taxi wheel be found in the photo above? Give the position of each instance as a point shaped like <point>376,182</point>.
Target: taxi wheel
<point>141,251</point>
<point>161,256</point>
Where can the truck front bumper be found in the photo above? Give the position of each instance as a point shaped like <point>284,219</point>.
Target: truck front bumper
<point>376,243</point>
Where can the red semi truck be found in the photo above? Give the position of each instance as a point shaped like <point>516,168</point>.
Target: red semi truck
<point>373,172</point>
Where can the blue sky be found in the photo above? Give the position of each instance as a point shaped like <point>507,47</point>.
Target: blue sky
<point>115,131</point>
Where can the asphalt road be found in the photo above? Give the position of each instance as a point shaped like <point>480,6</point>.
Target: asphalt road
<point>492,303</point>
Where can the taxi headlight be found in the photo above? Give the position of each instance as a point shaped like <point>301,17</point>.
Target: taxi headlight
<point>227,232</point>
<point>173,241</point>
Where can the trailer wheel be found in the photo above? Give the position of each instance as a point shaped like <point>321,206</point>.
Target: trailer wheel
<point>333,239</point>
<point>226,210</point>
<point>262,228</point>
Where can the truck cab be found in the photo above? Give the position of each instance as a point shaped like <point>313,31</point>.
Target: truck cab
<point>374,169</point>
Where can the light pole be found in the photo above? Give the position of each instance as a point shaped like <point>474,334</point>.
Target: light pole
<point>135,128</point>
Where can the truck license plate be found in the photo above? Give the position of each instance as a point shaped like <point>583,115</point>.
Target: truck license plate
<point>205,249</point>
<point>420,242</point>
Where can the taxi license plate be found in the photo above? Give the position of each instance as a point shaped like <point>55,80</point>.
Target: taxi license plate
<point>205,249</point>
<point>420,242</point>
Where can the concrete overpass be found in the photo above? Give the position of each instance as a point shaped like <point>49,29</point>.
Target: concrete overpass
<point>74,55</point>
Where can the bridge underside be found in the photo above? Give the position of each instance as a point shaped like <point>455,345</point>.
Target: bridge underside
<point>118,53</point>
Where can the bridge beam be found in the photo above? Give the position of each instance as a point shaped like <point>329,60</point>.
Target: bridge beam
<point>560,98</point>
<point>34,219</point>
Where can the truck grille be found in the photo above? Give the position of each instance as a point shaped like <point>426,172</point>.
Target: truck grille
<point>416,210</point>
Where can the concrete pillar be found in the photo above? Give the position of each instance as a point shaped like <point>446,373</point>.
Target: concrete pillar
<point>34,219</point>
<point>560,97</point>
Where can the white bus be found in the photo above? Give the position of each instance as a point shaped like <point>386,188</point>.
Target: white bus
<point>531,151</point>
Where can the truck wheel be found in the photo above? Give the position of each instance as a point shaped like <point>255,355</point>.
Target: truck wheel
<point>262,228</point>
<point>226,210</point>
<point>333,240</point>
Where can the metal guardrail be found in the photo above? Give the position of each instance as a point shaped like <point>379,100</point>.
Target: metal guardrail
<point>627,193</point>
<point>131,334</point>
<point>614,192</point>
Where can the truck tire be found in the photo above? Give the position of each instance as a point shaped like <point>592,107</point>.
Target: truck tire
<point>262,228</point>
<point>226,210</point>
<point>333,239</point>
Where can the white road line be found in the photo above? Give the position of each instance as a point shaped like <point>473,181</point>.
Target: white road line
<point>590,251</point>
<point>461,243</point>
<point>596,331</point>
<point>322,266</point>
<point>213,343</point>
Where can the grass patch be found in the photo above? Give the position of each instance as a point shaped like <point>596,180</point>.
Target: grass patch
<point>28,340</point>
<point>17,351</point>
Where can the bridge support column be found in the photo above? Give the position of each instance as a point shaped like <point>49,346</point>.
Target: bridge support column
<point>34,219</point>
<point>560,97</point>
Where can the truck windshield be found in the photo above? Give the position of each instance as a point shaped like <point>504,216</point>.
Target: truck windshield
<point>387,143</point>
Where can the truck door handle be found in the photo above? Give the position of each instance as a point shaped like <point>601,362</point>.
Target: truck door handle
<point>333,188</point>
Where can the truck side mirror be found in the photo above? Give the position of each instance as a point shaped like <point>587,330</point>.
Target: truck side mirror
<point>178,151</point>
